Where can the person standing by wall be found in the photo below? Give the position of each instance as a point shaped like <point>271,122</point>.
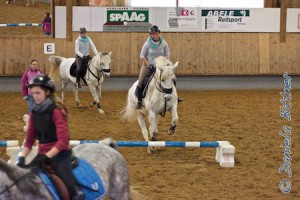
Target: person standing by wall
<point>28,76</point>
<point>46,24</point>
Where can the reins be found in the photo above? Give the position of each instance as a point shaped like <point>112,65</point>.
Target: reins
<point>99,74</point>
<point>164,91</point>
<point>7,188</point>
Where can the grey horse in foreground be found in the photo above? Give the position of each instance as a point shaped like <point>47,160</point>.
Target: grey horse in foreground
<point>17,183</point>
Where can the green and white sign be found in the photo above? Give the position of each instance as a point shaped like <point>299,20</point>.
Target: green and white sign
<point>225,20</point>
<point>127,20</point>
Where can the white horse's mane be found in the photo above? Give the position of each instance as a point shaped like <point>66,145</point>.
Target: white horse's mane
<point>100,57</point>
<point>162,61</point>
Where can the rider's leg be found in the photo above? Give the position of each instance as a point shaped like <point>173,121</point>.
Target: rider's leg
<point>78,63</point>
<point>179,99</point>
<point>143,73</point>
<point>62,166</point>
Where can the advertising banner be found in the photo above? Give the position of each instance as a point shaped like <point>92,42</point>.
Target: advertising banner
<point>225,20</point>
<point>182,18</point>
<point>127,20</point>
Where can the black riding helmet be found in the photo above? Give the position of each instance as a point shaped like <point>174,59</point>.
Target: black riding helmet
<point>43,81</point>
<point>82,30</point>
<point>154,29</point>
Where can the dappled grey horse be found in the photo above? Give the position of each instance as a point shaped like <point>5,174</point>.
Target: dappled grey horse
<point>17,183</point>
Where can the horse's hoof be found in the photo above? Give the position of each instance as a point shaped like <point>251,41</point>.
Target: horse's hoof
<point>171,131</point>
<point>151,150</point>
<point>100,111</point>
<point>92,104</point>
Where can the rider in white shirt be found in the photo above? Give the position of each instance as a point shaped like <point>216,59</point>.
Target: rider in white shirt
<point>82,50</point>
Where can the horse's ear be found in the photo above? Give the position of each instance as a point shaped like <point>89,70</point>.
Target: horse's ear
<point>175,65</point>
<point>110,54</point>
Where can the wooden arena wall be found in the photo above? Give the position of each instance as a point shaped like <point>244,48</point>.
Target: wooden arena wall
<point>198,53</point>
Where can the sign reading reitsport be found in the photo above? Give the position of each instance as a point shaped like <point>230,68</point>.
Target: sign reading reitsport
<point>225,20</point>
<point>127,20</point>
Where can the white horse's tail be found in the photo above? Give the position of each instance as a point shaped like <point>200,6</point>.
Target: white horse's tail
<point>54,67</point>
<point>129,113</point>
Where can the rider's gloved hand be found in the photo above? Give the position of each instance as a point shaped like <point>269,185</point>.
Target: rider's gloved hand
<point>21,163</point>
<point>86,57</point>
<point>38,161</point>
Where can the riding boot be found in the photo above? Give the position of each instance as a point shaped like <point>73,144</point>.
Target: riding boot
<point>178,99</point>
<point>80,196</point>
<point>139,97</point>
<point>77,79</point>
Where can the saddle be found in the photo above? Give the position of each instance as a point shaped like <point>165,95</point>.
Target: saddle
<point>148,78</point>
<point>87,180</point>
<point>83,69</point>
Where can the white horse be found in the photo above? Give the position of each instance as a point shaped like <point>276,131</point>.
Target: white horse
<point>98,68</point>
<point>22,184</point>
<point>161,96</point>
<point>27,4</point>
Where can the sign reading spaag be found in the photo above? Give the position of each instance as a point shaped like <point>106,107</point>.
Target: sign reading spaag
<point>127,20</point>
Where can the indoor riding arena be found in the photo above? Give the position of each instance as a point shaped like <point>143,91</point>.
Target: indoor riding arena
<point>239,82</point>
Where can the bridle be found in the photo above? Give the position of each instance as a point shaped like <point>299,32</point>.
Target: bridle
<point>99,72</point>
<point>7,188</point>
<point>163,90</point>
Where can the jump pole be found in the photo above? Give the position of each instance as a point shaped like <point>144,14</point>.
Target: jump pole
<point>20,24</point>
<point>224,150</point>
<point>9,143</point>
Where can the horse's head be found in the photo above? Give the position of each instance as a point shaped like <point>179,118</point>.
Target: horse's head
<point>167,75</point>
<point>102,63</point>
<point>17,183</point>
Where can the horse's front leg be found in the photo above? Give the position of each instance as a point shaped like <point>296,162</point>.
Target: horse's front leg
<point>153,121</point>
<point>100,91</point>
<point>96,99</point>
<point>141,121</point>
<point>174,120</point>
<point>75,92</point>
<point>63,87</point>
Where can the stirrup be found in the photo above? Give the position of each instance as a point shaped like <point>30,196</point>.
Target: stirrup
<point>138,105</point>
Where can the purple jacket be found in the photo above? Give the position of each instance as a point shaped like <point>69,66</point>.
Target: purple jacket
<point>46,25</point>
<point>26,78</point>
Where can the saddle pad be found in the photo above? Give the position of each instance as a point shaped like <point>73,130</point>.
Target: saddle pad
<point>46,180</point>
<point>73,69</point>
<point>87,177</point>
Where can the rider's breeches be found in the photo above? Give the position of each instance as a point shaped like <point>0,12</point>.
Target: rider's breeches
<point>78,62</point>
<point>143,73</point>
<point>63,167</point>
